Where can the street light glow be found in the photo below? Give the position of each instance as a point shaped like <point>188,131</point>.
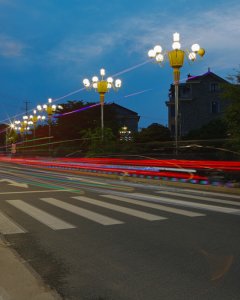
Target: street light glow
<point>157,49</point>
<point>95,79</point>
<point>176,46</point>
<point>151,53</point>
<point>102,72</point>
<point>176,37</point>
<point>195,48</point>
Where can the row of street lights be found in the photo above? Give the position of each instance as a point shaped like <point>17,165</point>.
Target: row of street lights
<point>30,121</point>
<point>102,86</point>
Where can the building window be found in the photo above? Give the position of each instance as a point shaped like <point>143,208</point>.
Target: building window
<point>215,107</point>
<point>214,87</point>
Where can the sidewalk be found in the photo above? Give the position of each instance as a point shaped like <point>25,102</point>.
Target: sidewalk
<point>18,281</point>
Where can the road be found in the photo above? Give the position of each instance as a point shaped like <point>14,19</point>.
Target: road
<point>100,239</point>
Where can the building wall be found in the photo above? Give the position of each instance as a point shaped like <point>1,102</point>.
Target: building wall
<point>199,103</point>
<point>126,117</point>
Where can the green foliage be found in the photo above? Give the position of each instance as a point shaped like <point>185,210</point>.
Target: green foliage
<point>96,145</point>
<point>154,132</point>
<point>231,93</point>
<point>215,129</point>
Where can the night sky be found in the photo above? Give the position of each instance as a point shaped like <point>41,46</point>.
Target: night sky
<point>48,47</point>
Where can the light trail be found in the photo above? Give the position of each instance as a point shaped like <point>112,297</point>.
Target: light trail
<point>132,68</point>
<point>137,93</point>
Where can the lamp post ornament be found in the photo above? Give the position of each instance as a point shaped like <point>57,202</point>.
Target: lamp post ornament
<point>176,61</point>
<point>102,86</point>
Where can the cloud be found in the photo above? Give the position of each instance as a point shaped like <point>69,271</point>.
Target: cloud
<point>10,47</point>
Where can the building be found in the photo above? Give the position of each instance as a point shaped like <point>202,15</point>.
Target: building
<point>199,102</point>
<point>125,117</point>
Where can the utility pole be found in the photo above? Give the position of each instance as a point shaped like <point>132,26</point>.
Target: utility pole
<point>26,106</point>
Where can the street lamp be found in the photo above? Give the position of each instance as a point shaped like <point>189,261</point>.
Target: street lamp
<point>50,109</point>
<point>34,119</point>
<point>102,86</point>
<point>176,61</point>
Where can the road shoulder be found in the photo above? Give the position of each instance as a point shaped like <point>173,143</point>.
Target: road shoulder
<point>18,280</point>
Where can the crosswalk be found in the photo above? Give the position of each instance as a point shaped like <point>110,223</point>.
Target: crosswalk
<point>158,206</point>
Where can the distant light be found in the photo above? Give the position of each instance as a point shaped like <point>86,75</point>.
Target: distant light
<point>176,46</point>
<point>45,106</point>
<point>109,85</point>
<point>86,82</point>
<point>195,47</point>
<point>110,80</point>
<point>95,79</point>
<point>176,37</point>
<point>151,53</point>
<point>118,83</point>
<point>157,49</point>
<point>39,107</point>
<point>49,100</point>
<point>102,72</point>
<point>192,56</point>
<point>159,57</point>
<point>95,85</point>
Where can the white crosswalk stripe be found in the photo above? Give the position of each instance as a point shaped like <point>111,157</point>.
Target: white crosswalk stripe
<point>200,198</point>
<point>125,210</point>
<point>41,216</point>
<point>156,206</point>
<point>8,226</point>
<point>98,218</point>
<point>155,202</point>
<point>209,207</point>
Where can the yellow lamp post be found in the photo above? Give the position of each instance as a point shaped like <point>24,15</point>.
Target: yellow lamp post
<point>102,86</point>
<point>176,61</point>
<point>34,119</point>
<point>50,110</point>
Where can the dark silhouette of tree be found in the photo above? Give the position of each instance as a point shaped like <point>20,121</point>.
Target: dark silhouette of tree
<point>153,133</point>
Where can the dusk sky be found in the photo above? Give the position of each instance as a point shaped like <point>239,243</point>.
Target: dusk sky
<point>47,47</point>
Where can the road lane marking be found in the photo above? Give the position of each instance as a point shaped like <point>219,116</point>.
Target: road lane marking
<point>201,198</point>
<point>40,191</point>
<point>86,180</point>
<point>155,206</point>
<point>8,226</point>
<point>14,183</point>
<point>87,214</point>
<point>213,193</point>
<point>40,215</point>
<point>188,203</point>
<point>125,210</point>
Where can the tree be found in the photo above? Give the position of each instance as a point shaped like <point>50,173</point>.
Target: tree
<point>215,129</point>
<point>231,93</point>
<point>154,133</point>
<point>98,146</point>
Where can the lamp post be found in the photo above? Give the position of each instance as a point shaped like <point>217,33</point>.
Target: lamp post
<point>34,119</point>
<point>176,61</point>
<point>102,86</point>
<point>50,109</point>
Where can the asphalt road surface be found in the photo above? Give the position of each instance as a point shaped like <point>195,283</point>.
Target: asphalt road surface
<point>102,239</point>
